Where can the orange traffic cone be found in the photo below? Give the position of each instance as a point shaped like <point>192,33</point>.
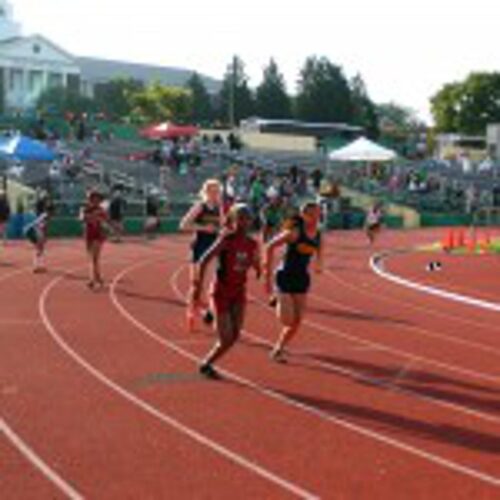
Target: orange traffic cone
<point>448,242</point>
<point>472,243</point>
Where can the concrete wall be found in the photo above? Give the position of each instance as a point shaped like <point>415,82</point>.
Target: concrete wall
<point>279,142</point>
<point>270,142</point>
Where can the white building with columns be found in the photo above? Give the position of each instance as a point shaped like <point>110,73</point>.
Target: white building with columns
<point>30,64</point>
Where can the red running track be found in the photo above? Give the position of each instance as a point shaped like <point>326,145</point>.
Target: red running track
<point>389,392</point>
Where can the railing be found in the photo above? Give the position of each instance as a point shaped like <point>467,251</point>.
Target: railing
<point>486,216</point>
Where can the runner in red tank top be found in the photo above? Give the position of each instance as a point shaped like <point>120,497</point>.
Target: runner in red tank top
<point>236,253</point>
<point>95,219</point>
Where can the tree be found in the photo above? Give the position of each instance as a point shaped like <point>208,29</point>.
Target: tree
<point>115,98</point>
<point>201,103</point>
<point>445,107</point>
<point>235,98</point>
<point>400,127</point>
<point>363,109</point>
<point>272,100</point>
<point>468,107</point>
<point>63,100</point>
<point>324,94</point>
<point>158,103</point>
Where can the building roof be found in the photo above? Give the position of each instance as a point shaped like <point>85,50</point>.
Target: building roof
<point>39,39</point>
<point>102,70</point>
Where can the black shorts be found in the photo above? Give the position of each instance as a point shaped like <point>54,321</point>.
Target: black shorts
<point>375,226</point>
<point>33,235</point>
<point>200,247</point>
<point>287,282</point>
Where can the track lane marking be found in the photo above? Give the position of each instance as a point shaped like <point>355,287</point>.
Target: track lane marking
<point>151,410</point>
<point>437,292</point>
<point>37,462</point>
<point>430,457</point>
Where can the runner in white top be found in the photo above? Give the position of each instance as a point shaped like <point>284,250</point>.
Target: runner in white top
<point>373,222</point>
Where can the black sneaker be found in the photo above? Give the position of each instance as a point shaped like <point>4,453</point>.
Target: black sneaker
<point>209,371</point>
<point>208,317</point>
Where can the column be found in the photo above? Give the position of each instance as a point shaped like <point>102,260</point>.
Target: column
<point>25,90</point>
<point>45,82</point>
<point>3,88</point>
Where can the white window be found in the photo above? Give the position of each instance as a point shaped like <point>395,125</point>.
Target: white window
<point>55,80</point>
<point>35,82</point>
<point>16,81</point>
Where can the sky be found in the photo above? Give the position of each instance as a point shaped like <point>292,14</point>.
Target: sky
<point>405,50</point>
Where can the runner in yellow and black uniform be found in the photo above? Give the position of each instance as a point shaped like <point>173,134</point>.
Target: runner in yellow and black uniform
<point>302,238</point>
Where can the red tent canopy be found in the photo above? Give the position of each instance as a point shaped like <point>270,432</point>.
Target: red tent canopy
<point>168,130</point>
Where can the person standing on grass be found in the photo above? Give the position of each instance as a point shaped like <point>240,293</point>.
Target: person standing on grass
<point>302,238</point>
<point>95,220</point>
<point>204,220</point>
<point>236,253</point>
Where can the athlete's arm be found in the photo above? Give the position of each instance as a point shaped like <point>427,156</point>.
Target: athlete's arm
<point>188,224</point>
<point>211,253</point>
<point>282,238</point>
<point>318,263</point>
<point>256,264</point>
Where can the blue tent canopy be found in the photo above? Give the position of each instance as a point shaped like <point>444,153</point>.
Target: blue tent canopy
<point>25,149</point>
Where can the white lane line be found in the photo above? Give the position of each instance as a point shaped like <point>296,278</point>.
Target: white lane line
<point>420,330</point>
<point>376,264</point>
<point>390,384</point>
<point>335,332</point>
<point>45,469</point>
<point>464,470</point>
<point>151,410</point>
<point>367,290</point>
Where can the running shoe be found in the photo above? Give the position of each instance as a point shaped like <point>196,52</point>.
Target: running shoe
<point>277,355</point>
<point>208,371</point>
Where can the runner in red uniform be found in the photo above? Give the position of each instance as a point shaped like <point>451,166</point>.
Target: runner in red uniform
<point>95,219</point>
<point>237,253</point>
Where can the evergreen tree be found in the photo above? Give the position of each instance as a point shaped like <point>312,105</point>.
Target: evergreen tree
<point>272,100</point>
<point>235,99</point>
<point>324,94</point>
<point>202,105</point>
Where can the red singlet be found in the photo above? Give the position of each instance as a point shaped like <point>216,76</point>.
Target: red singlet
<point>93,218</point>
<point>236,256</point>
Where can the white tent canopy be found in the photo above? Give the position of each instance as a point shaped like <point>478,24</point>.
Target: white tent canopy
<point>363,149</point>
